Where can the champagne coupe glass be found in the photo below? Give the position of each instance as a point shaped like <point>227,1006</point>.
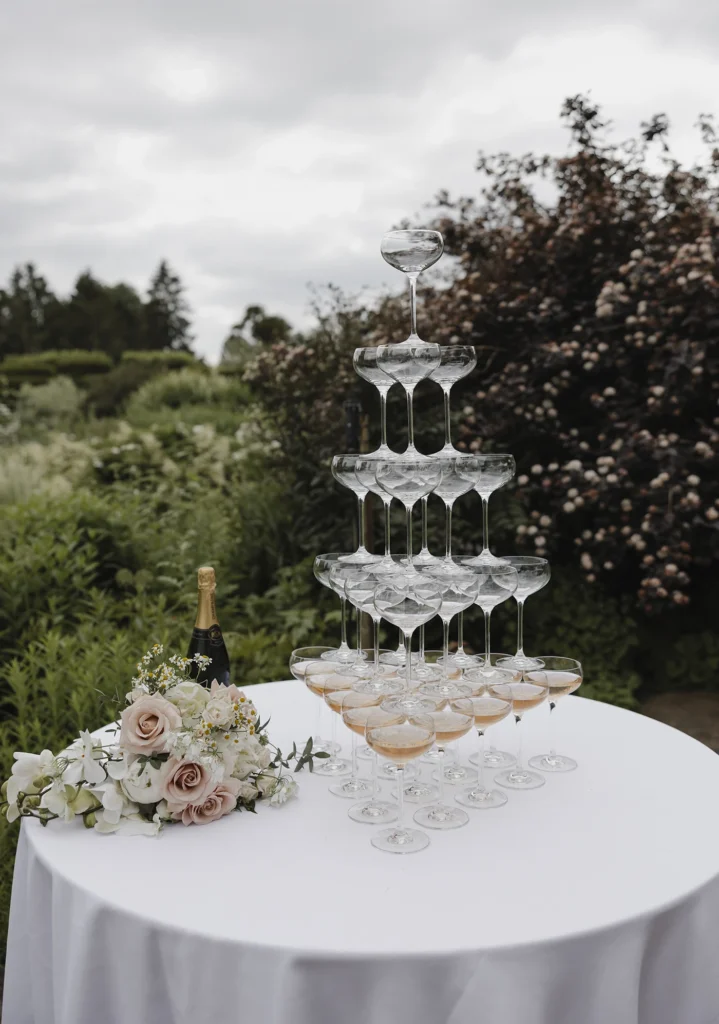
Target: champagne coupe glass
<point>459,474</point>
<point>366,472</point>
<point>459,589</point>
<point>490,707</point>
<point>476,678</point>
<point>366,366</point>
<point>525,696</point>
<point>452,720</point>
<point>373,811</point>
<point>412,252</point>
<point>408,479</point>
<point>494,472</point>
<point>306,665</point>
<point>533,574</point>
<point>343,470</point>
<point>408,363</point>
<point>341,701</point>
<point>408,601</point>
<point>563,676</point>
<point>322,566</point>
<point>496,583</point>
<point>456,362</point>
<point>406,738</point>
<point>360,589</point>
<point>322,684</point>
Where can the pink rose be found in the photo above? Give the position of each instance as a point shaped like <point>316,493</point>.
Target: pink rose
<point>230,692</point>
<point>220,801</point>
<point>186,782</point>
<point>146,724</point>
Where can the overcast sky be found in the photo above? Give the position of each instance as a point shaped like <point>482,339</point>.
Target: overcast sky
<point>264,146</point>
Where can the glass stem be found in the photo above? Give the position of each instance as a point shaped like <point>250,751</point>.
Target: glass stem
<point>480,762</point>
<point>421,644</point>
<point>440,751</point>
<point>485,526</point>
<point>447,427</point>
<point>448,530</point>
<point>408,661</point>
<point>358,617</point>
<point>413,304</point>
<point>518,767</point>
<point>400,795</point>
<point>520,627</point>
<point>552,730</point>
<point>375,642</point>
<point>409,532</point>
<point>487,646</point>
<point>375,775</point>
<point>318,722</point>
<point>445,648</point>
<point>383,416</point>
<point>387,528</point>
<point>333,754</point>
<point>355,770</point>
<point>424,523</point>
<point>343,605</point>
<point>460,634</point>
<point>360,506</point>
<point>410,417</point>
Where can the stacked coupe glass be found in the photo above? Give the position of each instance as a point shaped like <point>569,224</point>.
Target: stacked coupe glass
<point>410,707</point>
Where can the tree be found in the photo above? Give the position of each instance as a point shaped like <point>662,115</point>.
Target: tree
<point>27,309</point>
<point>99,317</point>
<point>255,329</point>
<point>166,321</point>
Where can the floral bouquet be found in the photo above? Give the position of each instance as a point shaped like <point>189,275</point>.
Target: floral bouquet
<point>181,753</point>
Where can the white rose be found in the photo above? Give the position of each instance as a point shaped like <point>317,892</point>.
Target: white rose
<point>188,697</point>
<point>247,791</point>
<point>218,712</point>
<point>143,784</point>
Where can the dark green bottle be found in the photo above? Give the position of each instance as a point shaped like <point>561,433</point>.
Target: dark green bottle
<point>207,636</point>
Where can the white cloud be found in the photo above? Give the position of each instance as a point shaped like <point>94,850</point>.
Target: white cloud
<point>260,152</point>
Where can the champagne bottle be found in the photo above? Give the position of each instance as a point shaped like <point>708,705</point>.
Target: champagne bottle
<point>207,636</point>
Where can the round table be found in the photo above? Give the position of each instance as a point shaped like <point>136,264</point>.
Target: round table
<point>593,900</point>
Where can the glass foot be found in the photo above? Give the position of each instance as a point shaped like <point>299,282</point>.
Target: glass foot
<point>379,686</point>
<point>400,840</point>
<point>333,767</point>
<point>461,660</point>
<point>425,557</point>
<point>324,746</point>
<point>388,770</point>
<point>448,690</point>
<point>374,812</point>
<point>519,778</point>
<point>480,798</point>
<point>455,774</point>
<point>344,656</point>
<point>441,816</point>
<point>424,673</point>
<point>364,753</point>
<point>420,792</point>
<point>520,663</point>
<point>485,558</point>
<point>553,763</point>
<point>352,789</point>
<point>494,759</point>
<point>409,703</point>
<point>396,658</point>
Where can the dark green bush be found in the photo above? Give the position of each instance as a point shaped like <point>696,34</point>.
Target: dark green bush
<point>167,359</point>
<point>28,369</point>
<point>107,394</point>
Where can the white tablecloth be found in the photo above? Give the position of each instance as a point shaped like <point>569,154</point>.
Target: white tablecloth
<point>594,900</point>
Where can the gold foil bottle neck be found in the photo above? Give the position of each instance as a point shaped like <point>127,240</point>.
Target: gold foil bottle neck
<point>206,578</point>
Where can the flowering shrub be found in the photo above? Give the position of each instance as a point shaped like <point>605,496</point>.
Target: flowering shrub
<point>597,324</point>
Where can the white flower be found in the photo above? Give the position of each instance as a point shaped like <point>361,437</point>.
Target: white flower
<point>189,698</point>
<point>67,801</point>
<point>28,768</point>
<point>586,560</point>
<point>266,784</point>
<point>113,802</point>
<point>133,824</point>
<point>693,480</point>
<point>84,763</point>
<point>536,469</point>
<point>285,788</point>
<point>568,506</point>
<point>218,712</point>
<point>143,784</point>
<point>545,521</point>
<point>523,480</point>
<point>247,791</point>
